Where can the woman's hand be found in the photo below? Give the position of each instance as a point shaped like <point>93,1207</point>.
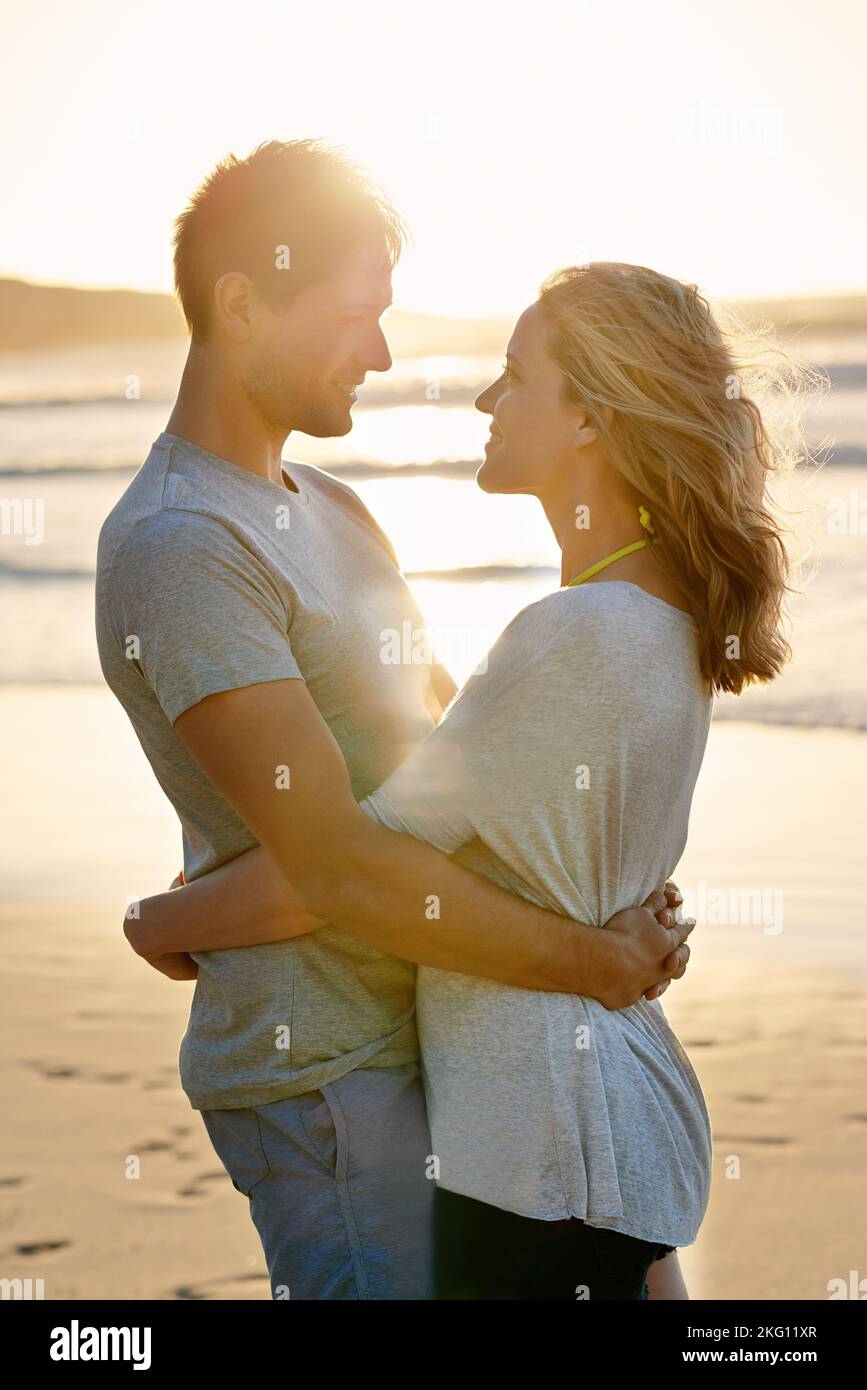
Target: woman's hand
<point>245,902</point>
<point>176,966</point>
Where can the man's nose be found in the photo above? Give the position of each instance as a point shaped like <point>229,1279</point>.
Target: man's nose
<point>486,401</point>
<point>377,357</point>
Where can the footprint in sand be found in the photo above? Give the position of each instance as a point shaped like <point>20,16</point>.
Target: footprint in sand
<point>195,1190</point>
<point>774,1139</point>
<point>41,1247</point>
<point>10,1182</point>
<point>54,1072</point>
<point>62,1071</point>
<point>217,1288</point>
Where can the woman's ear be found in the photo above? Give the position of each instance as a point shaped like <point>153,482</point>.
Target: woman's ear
<point>585,430</point>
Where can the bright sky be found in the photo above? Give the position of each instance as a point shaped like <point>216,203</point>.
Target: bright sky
<point>721,143</point>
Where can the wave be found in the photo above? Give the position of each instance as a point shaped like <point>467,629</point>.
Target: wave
<point>479,574</point>
<point>40,575</point>
<point>470,574</point>
<point>353,470</point>
<point>379,395</point>
<point>373,396</point>
<point>805,717</point>
<point>360,470</point>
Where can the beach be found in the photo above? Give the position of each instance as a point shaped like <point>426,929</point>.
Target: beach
<point>771,1012</point>
<point>109,1187</point>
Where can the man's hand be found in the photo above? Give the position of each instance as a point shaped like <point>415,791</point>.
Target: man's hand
<point>652,929</point>
<point>666,917</point>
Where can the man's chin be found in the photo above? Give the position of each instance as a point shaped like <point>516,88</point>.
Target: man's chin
<point>330,426</point>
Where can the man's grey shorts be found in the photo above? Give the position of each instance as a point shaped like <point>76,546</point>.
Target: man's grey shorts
<point>338,1186</point>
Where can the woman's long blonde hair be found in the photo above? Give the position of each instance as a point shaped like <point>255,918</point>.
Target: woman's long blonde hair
<point>684,427</point>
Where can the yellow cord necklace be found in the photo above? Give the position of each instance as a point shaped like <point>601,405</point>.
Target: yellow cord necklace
<point>644,518</point>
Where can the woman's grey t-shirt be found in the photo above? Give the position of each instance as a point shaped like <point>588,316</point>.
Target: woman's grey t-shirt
<point>565,771</point>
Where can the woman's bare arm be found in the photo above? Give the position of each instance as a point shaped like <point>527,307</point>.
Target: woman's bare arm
<point>248,902</point>
<point>245,902</point>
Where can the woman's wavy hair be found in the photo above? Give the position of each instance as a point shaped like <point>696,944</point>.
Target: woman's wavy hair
<point>683,425</point>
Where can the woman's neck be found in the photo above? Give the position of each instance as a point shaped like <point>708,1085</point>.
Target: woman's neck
<point>587,533</point>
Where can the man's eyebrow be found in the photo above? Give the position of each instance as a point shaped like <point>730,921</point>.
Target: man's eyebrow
<point>510,357</point>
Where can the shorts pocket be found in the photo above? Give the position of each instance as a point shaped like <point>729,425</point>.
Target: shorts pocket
<point>237,1140</point>
<point>317,1120</point>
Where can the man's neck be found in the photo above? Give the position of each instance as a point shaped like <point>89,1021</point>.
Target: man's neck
<point>214,412</point>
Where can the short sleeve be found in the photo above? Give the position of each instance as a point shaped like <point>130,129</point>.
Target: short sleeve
<point>197,611</point>
<point>431,795</point>
<point>503,749</point>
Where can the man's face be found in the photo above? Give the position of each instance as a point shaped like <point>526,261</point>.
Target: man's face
<point>302,364</point>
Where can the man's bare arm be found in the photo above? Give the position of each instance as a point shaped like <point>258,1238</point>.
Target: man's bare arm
<point>271,755</point>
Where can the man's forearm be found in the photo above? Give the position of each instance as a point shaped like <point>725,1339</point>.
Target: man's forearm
<point>406,898</point>
<point>393,892</point>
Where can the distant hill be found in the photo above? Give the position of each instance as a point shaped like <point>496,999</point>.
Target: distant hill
<point>45,316</point>
<point>841,313</point>
<point>34,317</point>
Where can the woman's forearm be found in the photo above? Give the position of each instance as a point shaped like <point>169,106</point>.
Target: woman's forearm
<point>243,903</point>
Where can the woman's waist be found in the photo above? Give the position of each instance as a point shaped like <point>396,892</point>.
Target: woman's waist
<point>565,1042</point>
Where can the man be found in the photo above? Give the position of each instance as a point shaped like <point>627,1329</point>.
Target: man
<point>242,607</point>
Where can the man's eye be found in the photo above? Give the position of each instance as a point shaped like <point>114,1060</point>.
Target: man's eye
<point>507,372</point>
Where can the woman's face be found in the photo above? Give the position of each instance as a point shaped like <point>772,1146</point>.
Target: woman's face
<point>535,433</point>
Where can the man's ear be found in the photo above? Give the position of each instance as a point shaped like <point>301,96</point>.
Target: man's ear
<point>233,305</point>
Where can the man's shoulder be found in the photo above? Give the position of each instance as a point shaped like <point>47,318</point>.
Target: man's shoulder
<point>166,509</point>
<point>344,497</point>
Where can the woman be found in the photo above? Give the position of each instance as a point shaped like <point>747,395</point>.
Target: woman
<point>621,408</point>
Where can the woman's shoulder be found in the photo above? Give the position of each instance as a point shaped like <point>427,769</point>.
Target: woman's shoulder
<point>601,614</point>
<point>606,642</point>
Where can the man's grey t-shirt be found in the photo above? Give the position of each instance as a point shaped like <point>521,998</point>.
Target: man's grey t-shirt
<point>211,578</point>
<point>564,771</point>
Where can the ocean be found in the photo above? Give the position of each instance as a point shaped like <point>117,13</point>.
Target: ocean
<point>76,423</point>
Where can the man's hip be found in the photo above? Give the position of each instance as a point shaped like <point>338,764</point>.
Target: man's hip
<point>337,1180</point>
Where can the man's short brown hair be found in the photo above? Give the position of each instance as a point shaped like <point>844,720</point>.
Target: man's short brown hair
<point>298,194</point>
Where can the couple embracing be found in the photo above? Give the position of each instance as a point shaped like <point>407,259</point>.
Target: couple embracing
<point>426,1038</point>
